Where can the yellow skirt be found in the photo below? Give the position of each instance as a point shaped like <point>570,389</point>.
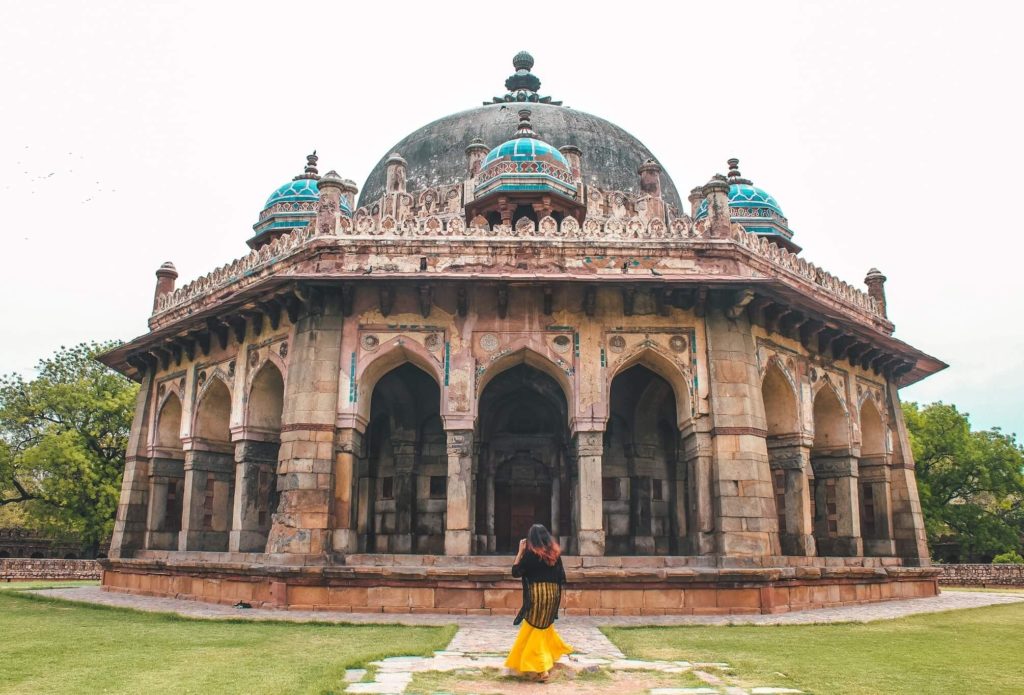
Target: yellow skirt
<point>536,651</point>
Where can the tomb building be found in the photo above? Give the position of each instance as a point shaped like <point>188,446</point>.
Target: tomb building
<point>519,320</point>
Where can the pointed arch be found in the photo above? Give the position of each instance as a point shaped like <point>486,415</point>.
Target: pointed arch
<point>212,419</point>
<point>530,357</point>
<point>391,354</point>
<point>665,367</point>
<point>831,419</point>
<point>781,410</point>
<point>168,424</point>
<point>265,402</point>
<point>872,430</point>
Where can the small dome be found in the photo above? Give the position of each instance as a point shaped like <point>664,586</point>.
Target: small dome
<point>743,195</point>
<point>526,150</point>
<point>301,191</point>
<point>526,163</point>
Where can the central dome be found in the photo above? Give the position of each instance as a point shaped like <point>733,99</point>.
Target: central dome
<point>436,153</point>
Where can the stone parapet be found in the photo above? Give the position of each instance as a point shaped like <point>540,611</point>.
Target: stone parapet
<point>26,569</point>
<point>981,575</point>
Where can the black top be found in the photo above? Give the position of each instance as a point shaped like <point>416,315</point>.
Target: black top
<point>542,589</point>
<point>532,568</point>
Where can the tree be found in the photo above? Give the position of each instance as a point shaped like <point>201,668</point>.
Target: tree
<point>63,437</point>
<point>971,483</point>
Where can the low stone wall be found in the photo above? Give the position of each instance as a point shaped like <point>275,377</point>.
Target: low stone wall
<point>487,589</point>
<point>26,569</point>
<point>982,575</point>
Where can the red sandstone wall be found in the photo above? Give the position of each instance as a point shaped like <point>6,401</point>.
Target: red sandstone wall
<point>982,575</point>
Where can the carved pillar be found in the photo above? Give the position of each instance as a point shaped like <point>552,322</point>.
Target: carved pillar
<point>404,495</point>
<point>306,460</point>
<point>130,522</point>
<point>837,526</point>
<point>875,508</point>
<point>589,447</point>
<point>698,459</point>
<point>255,494</point>
<point>640,515</point>
<point>166,488</point>
<point>458,533</point>
<point>792,457</point>
<point>556,507</point>
<point>744,499</point>
<point>492,540</point>
<point>209,491</point>
<point>346,468</point>
<point>907,519</point>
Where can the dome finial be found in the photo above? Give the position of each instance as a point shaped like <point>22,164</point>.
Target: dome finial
<point>525,128</point>
<point>522,61</point>
<point>310,172</point>
<point>734,172</point>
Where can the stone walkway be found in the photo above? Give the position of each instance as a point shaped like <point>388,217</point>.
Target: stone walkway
<point>481,642</point>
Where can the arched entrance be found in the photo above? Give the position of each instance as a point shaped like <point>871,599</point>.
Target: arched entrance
<point>209,473</point>
<point>523,476</point>
<point>836,508</point>
<point>641,498</point>
<point>402,482</point>
<point>166,479</point>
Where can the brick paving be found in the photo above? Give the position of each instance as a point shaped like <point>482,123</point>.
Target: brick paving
<point>482,641</point>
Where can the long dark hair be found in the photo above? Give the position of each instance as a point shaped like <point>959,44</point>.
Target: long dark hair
<point>541,544</point>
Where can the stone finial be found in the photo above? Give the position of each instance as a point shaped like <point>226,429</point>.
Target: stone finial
<point>349,189</point>
<point>396,170</point>
<point>734,172</point>
<point>476,151</point>
<point>525,129</point>
<point>310,172</point>
<point>717,192</point>
<point>876,288</point>
<point>166,274</point>
<point>523,85</point>
<point>574,156</point>
<point>330,180</point>
<point>650,178</point>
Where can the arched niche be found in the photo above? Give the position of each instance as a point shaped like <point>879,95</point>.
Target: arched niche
<point>166,478</point>
<point>265,403</point>
<point>831,421</point>
<point>643,489</point>
<point>780,402</point>
<point>168,429</point>
<point>210,472</point>
<point>668,370</point>
<point>213,413</point>
<point>524,355</point>
<point>523,474</point>
<point>403,485</point>
<point>390,355</point>
<point>872,431</point>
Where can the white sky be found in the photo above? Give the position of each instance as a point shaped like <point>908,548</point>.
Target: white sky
<point>137,132</point>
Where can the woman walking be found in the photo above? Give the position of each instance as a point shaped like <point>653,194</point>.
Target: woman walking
<point>538,646</point>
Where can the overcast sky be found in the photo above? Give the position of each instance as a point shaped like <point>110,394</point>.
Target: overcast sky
<point>890,133</point>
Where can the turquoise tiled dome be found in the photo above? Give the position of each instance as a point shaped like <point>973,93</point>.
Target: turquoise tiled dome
<point>525,150</point>
<point>299,191</point>
<point>743,195</point>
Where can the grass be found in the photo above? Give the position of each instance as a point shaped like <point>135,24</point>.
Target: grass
<point>965,651</point>
<point>988,590</point>
<point>48,584</point>
<point>53,646</point>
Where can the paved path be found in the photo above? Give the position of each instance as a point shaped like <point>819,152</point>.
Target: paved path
<point>481,642</point>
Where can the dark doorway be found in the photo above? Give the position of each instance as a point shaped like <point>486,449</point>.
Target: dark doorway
<point>522,498</point>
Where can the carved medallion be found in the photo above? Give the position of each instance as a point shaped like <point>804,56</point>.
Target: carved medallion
<point>283,350</point>
<point>562,343</point>
<point>433,342</point>
<point>677,343</point>
<point>489,342</point>
<point>370,342</point>
<point>616,343</point>
<point>254,358</point>
<point>201,378</point>
<point>231,368</point>
<point>160,390</point>
<point>813,375</point>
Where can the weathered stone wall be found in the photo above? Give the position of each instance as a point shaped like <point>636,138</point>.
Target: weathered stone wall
<point>14,569</point>
<point>981,575</point>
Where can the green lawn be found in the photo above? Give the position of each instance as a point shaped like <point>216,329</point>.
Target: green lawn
<point>51,646</point>
<point>967,651</point>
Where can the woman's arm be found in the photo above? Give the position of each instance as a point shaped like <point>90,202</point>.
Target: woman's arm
<point>517,569</point>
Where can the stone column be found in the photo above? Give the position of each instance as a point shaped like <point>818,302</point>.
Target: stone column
<point>640,514</point>
<point>460,517</point>
<point>907,519</point>
<point>346,468</point>
<point>255,494</point>
<point>875,484</point>
<point>793,457</point>
<point>556,504</point>
<point>698,459</point>
<point>166,482</point>
<point>130,521</point>
<point>206,508</point>
<point>744,497</point>
<point>843,538</point>
<point>492,540</point>
<point>404,495</point>
<point>589,448</point>
<point>305,464</point>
